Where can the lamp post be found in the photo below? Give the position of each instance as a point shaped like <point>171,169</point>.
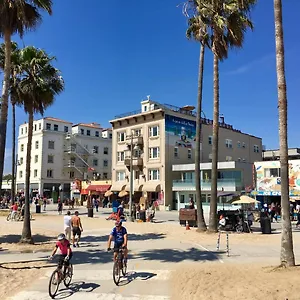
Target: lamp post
<point>131,178</point>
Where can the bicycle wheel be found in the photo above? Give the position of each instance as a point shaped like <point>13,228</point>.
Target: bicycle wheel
<point>116,272</point>
<point>54,283</point>
<point>68,275</point>
<point>124,267</point>
<point>18,217</point>
<point>8,217</point>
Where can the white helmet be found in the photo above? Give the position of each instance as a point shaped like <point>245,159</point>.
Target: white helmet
<point>61,236</point>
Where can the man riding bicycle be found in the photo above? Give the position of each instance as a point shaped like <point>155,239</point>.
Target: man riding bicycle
<point>119,235</point>
<point>66,253</point>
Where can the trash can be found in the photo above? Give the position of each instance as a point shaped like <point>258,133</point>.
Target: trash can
<point>90,212</point>
<point>38,209</point>
<point>265,224</point>
<point>143,215</point>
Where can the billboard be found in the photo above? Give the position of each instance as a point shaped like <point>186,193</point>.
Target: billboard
<point>180,132</point>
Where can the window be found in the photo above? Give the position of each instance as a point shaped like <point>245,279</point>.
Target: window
<point>176,152</point>
<point>189,153</point>
<point>82,131</point>
<point>22,147</point>
<point>26,129</point>
<point>228,143</point>
<point>272,172</point>
<point>35,173</point>
<point>137,174</point>
<point>105,176</point>
<point>40,126</point>
<point>97,133</point>
<point>48,126</point>
<point>50,159</point>
<point>137,132</point>
<point>239,144</point>
<point>88,132</point>
<point>95,162</point>
<point>34,127</point>
<point>105,150</point>
<point>121,136</point>
<point>154,131</point>
<point>72,174</point>
<point>55,127</point>
<point>36,144</point>
<point>154,152</point>
<point>36,158</point>
<point>22,131</point>
<point>239,159</point>
<point>210,140</point>
<point>21,161</point>
<point>96,149</point>
<point>50,173</point>
<point>120,175</point>
<point>120,156</point>
<point>66,129</point>
<point>105,163</point>
<point>243,145</point>
<point>244,159</point>
<point>110,135</point>
<point>256,148</point>
<point>50,144</point>
<point>21,174</point>
<point>228,158</point>
<point>154,174</point>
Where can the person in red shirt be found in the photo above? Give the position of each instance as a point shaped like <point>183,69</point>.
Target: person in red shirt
<point>65,249</point>
<point>14,210</point>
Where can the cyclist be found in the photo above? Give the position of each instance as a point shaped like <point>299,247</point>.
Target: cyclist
<point>119,235</point>
<point>66,253</point>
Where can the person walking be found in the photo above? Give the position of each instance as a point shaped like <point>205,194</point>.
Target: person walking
<point>68,225</point>
<point>76,228</point>
<point>96,204</point>
<point>59,206</point>
<point>44,203</point>
<point>298,215</point>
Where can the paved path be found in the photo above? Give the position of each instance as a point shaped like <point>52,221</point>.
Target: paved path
<point>151,261</point>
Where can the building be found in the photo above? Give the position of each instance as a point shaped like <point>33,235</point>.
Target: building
<point>162,136</point>
<point>233,179</point>
<point>61,153</point>
<point>270,155</point>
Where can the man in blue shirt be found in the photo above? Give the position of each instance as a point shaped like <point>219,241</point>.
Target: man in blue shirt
<point>119,235</point>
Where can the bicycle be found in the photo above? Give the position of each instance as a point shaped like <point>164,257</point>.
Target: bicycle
<point>58,276</point>
<point>17,216</point>
<point>119,266</point>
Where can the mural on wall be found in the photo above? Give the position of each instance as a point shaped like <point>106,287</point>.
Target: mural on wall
<point>268,180</point>
<point>180,132</point>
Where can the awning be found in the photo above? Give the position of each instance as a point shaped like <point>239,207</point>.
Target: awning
<point>98,188</point>
<point>84,192</point>
<point>151,187</point>
<point>116,187</point>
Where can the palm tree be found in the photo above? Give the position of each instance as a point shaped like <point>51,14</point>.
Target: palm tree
<point>14,68</point>
<point>287,257</point>
<point>229,20</point>
<point>38,84</point>
<point>197,30</point>
<point>16,16</point>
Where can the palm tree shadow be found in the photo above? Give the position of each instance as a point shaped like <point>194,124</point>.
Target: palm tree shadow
<point>136,275</point>
<point>76,287</point>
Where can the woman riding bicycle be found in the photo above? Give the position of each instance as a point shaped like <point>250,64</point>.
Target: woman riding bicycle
<point>65,248</point>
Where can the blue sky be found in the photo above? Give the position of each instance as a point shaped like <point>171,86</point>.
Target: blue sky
<point>113,54</point>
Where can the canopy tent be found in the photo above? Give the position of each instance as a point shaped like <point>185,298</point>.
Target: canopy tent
<point>245,200</point>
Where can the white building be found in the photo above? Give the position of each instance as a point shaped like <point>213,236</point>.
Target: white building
<point>61,153</point>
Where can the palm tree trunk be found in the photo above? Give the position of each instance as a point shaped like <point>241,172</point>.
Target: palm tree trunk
<point>13,162</point>
<point>215,146</point>
<point>200,217</point>
<point>4,101</point>
<point>287,254</point>
<point>26,233</point>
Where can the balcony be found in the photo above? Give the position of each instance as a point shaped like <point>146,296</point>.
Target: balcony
<point>228,184</point>
<point>72,164</point>
<point>136,140</point>
<point>137,163</point>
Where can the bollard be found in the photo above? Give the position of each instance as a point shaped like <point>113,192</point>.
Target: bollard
<point>218,241</point>
<point>227,243</point>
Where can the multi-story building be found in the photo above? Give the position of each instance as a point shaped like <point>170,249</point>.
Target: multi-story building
<point>61,153</point>
<point>162,136</point>
<point>269,155</point>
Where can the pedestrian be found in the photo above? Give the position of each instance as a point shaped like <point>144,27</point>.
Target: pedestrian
<point>73,202</point>
<point>59,206</point>
<point>298,215</point>
<point>96,204</point>
<point>76,228</point>
<point>44,203</point>
<point>68,225</point>
<point>14,210</point>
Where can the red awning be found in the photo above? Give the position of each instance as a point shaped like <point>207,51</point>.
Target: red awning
<point>84,192</point>
<point>98,188</point>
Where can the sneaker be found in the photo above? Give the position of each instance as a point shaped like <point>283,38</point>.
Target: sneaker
<point>74,245</point>
<point>77,245</point>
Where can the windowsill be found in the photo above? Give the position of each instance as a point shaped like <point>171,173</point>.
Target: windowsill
<point>121,142</point>
<point>153,137</point>
<point>153,158</point>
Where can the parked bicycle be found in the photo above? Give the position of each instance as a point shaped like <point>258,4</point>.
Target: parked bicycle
<point>120,266</point>
<point>64,273</point>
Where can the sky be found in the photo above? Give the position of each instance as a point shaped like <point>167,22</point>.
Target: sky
<point>112,54</point>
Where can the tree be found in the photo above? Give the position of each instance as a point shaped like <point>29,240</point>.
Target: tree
<point>287,257</point>
<point>197,30</point>
<point>228,22</point>
<point>16,16</point>
<point>37,86</point>
<point>14,70</point>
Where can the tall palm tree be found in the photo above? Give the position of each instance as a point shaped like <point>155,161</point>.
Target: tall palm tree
<point>14,69</point>
<point>197,30</point>
<point>38,84</point>
<point>16,16</point>
<point>287,257</point>
<point>229,20</point>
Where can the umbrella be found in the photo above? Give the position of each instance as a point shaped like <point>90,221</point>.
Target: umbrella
<point>245,200</point>
<point>123,193</point>
<point>108,193</point>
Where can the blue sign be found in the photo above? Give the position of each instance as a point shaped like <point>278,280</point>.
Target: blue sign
<point>272,193</point>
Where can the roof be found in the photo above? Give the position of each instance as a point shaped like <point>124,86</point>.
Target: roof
<point>91,125</point>
<point>56,120</point>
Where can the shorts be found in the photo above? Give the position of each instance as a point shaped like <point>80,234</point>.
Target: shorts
<point>61,259</point>
<point>76,231</point>
<point>117,246</point>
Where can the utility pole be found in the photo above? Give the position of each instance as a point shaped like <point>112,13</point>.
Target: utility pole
<point>131,177</point>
